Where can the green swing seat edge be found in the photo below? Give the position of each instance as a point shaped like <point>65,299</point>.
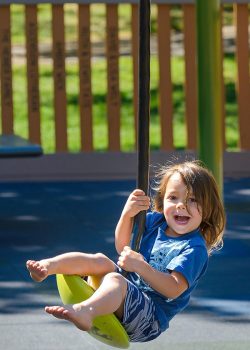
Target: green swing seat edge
<point>106,328</point>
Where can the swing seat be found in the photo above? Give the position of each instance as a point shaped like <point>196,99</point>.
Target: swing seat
<point>107,328</point>
<point>16,146</point>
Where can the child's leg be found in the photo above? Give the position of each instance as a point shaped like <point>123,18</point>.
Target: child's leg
<point>71,264</point>
<point>108,298</point>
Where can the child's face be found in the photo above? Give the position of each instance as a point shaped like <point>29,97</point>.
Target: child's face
<point>180,220</point>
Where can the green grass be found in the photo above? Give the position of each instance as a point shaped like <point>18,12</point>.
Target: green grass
<point>71,20</point>
<point>99,107</point>
<point>97,21</point>
<point>231,108</point>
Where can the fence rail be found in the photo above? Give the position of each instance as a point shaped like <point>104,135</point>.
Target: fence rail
<point>84,54</point>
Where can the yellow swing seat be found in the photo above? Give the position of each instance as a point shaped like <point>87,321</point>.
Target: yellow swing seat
<point>106,328</point>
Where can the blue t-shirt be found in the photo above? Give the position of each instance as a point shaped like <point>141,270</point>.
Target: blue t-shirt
<point>186,254</point>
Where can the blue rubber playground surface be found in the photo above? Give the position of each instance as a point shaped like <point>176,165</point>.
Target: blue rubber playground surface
<point>44,219</point>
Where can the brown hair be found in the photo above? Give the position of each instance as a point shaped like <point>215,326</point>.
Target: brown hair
<point>201,182</point>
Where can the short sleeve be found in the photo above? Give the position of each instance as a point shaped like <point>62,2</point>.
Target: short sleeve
<point>191,263</point>
<point>153,220</point>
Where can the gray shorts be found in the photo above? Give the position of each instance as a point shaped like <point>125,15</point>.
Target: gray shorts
<point>139,318</point>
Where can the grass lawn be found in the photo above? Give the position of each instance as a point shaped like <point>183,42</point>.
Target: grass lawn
<point>97,20</point>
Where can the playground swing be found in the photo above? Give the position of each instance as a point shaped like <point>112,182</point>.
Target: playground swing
<point>73,289</point>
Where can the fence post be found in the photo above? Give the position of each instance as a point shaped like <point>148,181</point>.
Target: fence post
<point>6,71</point>
<point>165,81</point>
<point>209,86</point>
<point>113,95</point>
<point>32,74</point>
<point>59,76</point>
<point>243,78</point>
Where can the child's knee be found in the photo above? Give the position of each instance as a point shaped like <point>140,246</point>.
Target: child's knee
<point>117,278</point>
<point>105,262</point>
<point>101,258</point>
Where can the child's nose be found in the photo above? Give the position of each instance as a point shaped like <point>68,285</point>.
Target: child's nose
<point>181,205</point>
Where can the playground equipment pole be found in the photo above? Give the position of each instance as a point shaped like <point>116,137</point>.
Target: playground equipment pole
<point>209,86</point>
<point>143,118</point>
<point>143,112</point>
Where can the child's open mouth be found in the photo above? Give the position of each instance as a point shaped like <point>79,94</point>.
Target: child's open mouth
<point>180,219</point>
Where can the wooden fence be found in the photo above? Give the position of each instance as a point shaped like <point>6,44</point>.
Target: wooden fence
<point>241,14</point>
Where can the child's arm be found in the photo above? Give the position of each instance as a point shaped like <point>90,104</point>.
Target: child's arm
<point>170,285</point>
<point>137,201</point>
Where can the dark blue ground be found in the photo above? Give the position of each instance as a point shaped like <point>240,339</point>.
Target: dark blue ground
<point>44,219</point>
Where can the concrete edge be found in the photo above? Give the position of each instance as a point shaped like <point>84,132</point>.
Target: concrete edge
<point>103,166</point>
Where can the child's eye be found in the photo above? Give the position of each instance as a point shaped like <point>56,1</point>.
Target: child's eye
<point>171,197</point>
<point>192,200</point>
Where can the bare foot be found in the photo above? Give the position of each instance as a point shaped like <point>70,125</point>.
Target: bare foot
<point>77,314</point>
<point>38,270</point>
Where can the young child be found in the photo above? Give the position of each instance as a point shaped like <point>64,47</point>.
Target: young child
<point>185,226</point>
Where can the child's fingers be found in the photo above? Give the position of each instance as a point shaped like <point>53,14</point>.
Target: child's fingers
<point>142,201</point>
<point>137,202</point>
<point>126,248</point>
<point>138,195</point>
<point>138,192</point>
